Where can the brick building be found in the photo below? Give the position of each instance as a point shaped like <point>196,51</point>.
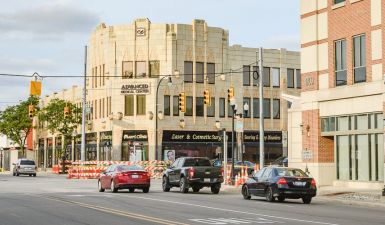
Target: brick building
<point>337,128</point>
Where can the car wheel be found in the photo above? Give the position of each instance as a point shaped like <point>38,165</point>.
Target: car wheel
<point>306,200</point>
<point>34,174</point>
<point>281,198</point>
<point>245,193</point>
<point>146,189</point>
<point>195,189</point>
<point>215,188</point>
<point>113,188</point>
<point>165,184</point>
<point>30,175</point>
<point>100,188</point>
<point>131,190</point>
<point>269,194</point>
<point>17,174</point>
<point>183,185</point>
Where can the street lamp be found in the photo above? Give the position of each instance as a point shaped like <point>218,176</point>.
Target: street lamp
<point>233,105</point>
<point>156,113</point>
<point>245,114</point>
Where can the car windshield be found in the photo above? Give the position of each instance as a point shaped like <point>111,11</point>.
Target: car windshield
<point>124,168</point>
<point>197,162</point>
<point>27,162</point>
<point>287,172</point>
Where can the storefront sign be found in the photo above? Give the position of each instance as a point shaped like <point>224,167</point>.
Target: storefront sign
<point>270,137</point>
<point>135,135</point>
<point>212,136</point>
<point>135,88</point>
<point>105,136</point>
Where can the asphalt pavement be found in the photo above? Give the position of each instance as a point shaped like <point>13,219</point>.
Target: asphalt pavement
<point>51,199</point>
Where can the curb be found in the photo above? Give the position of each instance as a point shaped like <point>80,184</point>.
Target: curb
<point>352,202</point>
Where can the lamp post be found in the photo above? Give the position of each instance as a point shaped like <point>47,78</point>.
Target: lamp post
<point>156,113</point>
<point>245,114</point>
<point>234,107</point>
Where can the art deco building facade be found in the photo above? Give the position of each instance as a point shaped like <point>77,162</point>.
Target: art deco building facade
<point>126,64</point>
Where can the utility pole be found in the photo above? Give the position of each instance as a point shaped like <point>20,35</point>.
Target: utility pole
<point>83,146</point>
<point>261,116</point>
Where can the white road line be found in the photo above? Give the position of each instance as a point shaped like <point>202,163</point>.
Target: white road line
<point>231,210</point>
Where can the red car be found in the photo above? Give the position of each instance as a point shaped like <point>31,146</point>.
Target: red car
<point>118,177</point>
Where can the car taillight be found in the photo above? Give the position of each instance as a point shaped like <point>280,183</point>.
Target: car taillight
<point>282,181</point>
<point>191,172</point>
<point>313,184</point>
<point>222,171</point>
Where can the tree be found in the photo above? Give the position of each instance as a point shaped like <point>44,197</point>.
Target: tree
<point>15,122</point>
<point>57,121</point>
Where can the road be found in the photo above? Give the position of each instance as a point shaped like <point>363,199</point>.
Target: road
<point>54,200</point>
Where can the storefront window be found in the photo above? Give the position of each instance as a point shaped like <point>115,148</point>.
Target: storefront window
<point>134,145</point>
<point>343,123</point>
<point>105,146</point>
<point>361,122</point>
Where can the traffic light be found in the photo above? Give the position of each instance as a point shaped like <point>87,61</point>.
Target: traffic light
<point>30,111</point>
<point>230,93</point>
<point>182,102</point>
<point>66,111</point>
<point>206,97</point>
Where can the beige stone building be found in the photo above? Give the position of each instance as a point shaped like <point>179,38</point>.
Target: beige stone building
<point>337,128</point>
<point>126,63</point>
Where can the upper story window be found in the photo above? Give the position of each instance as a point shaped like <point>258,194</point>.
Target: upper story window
<point>290,78</point>
<point>222,107</point>
<point>340,62</point>
<point>256,107</point>
<point>359,58</point>
<point>298,78</point>
<point>266,76</point>
<point>140,69</point>
<point>246,75</point>
<point>189,106</point>
<point>166,105</point>
<point>141,105</point>
<point>188,72</point>
<point>127,71</point>
<point>199,107</point>
<point>211,108</point>
<point>248,101</point>
<point>276,108</point>
<point>275,77</point>
<point>211,73</point>
<point>129,105</point>
<point>338,1</point>
<point>175,105</point>
<point>154,68</point>
<point>199,72</point>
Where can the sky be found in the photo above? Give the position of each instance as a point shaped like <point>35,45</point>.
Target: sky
<point>48,36</point>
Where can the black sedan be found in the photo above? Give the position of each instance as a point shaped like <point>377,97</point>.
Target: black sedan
<point>280,183</point>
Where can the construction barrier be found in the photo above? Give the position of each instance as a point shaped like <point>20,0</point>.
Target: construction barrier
<point>92,169</point>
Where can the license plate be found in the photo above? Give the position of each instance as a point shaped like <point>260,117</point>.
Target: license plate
<point>299,183</point>
<point>206,180</point>
<point>135,176</point>
<point>207,172</point>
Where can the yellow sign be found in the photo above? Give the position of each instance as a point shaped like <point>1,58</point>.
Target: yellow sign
<point>35,88</point>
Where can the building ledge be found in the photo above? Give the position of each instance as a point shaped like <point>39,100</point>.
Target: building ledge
<point>354,1</point>
<point>339,5</point>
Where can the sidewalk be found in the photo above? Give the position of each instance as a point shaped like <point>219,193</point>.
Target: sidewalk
<point>349,196</point>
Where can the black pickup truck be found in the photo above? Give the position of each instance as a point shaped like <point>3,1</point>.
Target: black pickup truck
<point>194,172</point>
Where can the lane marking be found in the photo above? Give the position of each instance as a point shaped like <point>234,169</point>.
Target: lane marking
<point>231,210</point>
<point>115,211</point>
<point>217,221</point>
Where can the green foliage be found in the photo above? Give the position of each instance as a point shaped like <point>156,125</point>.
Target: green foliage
<point>15,122</point>
<point>53,115</point>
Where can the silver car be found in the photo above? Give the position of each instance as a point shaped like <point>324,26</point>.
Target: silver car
<point>24,166</point>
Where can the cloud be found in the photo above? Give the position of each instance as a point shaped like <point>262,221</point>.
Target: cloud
<point>290,42</point>
<point>47,22</point>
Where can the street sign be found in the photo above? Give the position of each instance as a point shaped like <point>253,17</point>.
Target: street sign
<point>307,154</point>
<point>239,126</point>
